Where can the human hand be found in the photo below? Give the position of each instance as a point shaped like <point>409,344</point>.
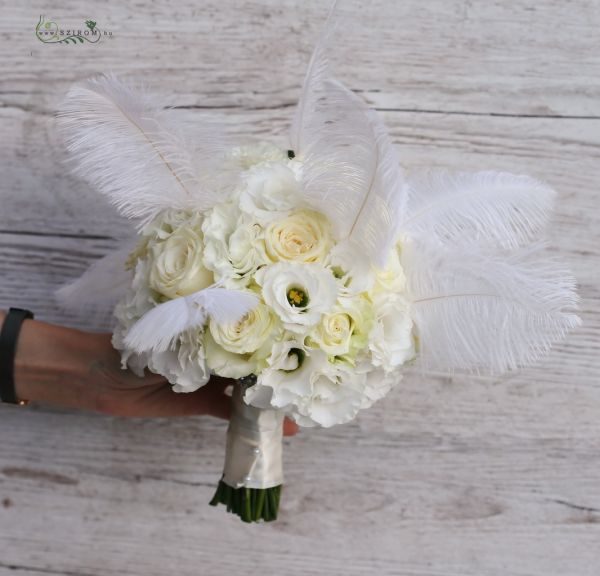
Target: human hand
<point>67,367</point>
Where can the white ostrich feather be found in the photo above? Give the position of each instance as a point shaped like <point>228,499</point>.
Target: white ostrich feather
<point>351,171</point>
<point>157,329</point>
<point>128,147</point>
<point>484,208</point>
<point>383,206</point>
<point>316,73</point>
<point>101,285</point>
<point>338,155</point>
<point>478,310</point>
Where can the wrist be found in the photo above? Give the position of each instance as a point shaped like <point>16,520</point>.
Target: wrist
<point>50,364</point>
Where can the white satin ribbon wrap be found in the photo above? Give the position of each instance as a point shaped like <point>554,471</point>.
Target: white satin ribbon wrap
<point>253,458</point>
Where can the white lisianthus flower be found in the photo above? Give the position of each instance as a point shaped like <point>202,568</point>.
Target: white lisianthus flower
<point>234,245</point>
<point>298,293</point>
<point>352,266</point>
<point>303,236</point>
<point>337,393</point>
<point>176,259</point>
<point>269,191</point>
<point>391,340</point>
<point>378,385</point>
<point>345,330</point>
<point>312,390</point>
<point>286,355</point>
<point>184,365</point>
<point>391,278</point>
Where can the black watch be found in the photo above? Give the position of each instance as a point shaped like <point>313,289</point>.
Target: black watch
<point>9,336</point>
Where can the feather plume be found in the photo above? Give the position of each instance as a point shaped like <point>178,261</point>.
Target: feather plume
<point>101,285</point>
<point>339,155</point>
<point>157,329</point>
<point>316,73</point>
<point>351,171</point>
<point>485,208</point>
<point>378,219</point>
<point>488,311</point>
<point>130,149</point>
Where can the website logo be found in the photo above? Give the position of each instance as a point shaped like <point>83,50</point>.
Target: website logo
<point>50,32</point>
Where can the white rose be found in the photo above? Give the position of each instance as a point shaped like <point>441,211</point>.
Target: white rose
<point>247,335</point>
<point>333,333</point>
<point>345,330</point>
<point>176,262</point>
<point>304,236</point>
<point>234,246</point>
<point>391,340</point>
<point>308,387</point>
<point>184,366</point>
<point>269,191</point>
<point>225,363</point>
<point>298,293</point>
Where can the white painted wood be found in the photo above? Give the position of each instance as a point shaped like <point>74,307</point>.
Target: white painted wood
<point>457,476</point>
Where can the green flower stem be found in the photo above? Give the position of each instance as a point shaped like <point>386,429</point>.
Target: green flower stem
<point>260,503</point>
<point>250,504</point>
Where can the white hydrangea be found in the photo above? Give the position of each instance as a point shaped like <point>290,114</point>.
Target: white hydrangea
<point>235,247</point>
<point>184,366</point>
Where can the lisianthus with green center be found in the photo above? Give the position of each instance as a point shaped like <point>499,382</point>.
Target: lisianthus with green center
<point>297,297</point>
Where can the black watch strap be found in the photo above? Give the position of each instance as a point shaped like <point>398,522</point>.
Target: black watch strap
<point>9,336</point>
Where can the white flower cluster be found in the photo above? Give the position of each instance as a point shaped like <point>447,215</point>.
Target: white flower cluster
<point>329,332</point>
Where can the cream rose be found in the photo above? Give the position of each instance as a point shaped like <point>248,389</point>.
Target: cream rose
<point>333,333</point>
<point>304,236</point>
<point>247,335</point>
<point>236,350</point>
<point>298,293</point>
<point>345,330</point>
<point>225,363</point>
<point>177,268</point>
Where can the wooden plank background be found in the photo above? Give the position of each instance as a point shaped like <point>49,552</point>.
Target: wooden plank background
<point>450,476</point>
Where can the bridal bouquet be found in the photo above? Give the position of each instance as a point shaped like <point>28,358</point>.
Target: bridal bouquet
<point>313,274</point>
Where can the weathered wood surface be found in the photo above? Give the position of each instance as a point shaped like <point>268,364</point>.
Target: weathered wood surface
<point>447,477</point>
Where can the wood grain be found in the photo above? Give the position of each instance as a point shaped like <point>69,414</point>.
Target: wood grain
<point>450,476</point>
